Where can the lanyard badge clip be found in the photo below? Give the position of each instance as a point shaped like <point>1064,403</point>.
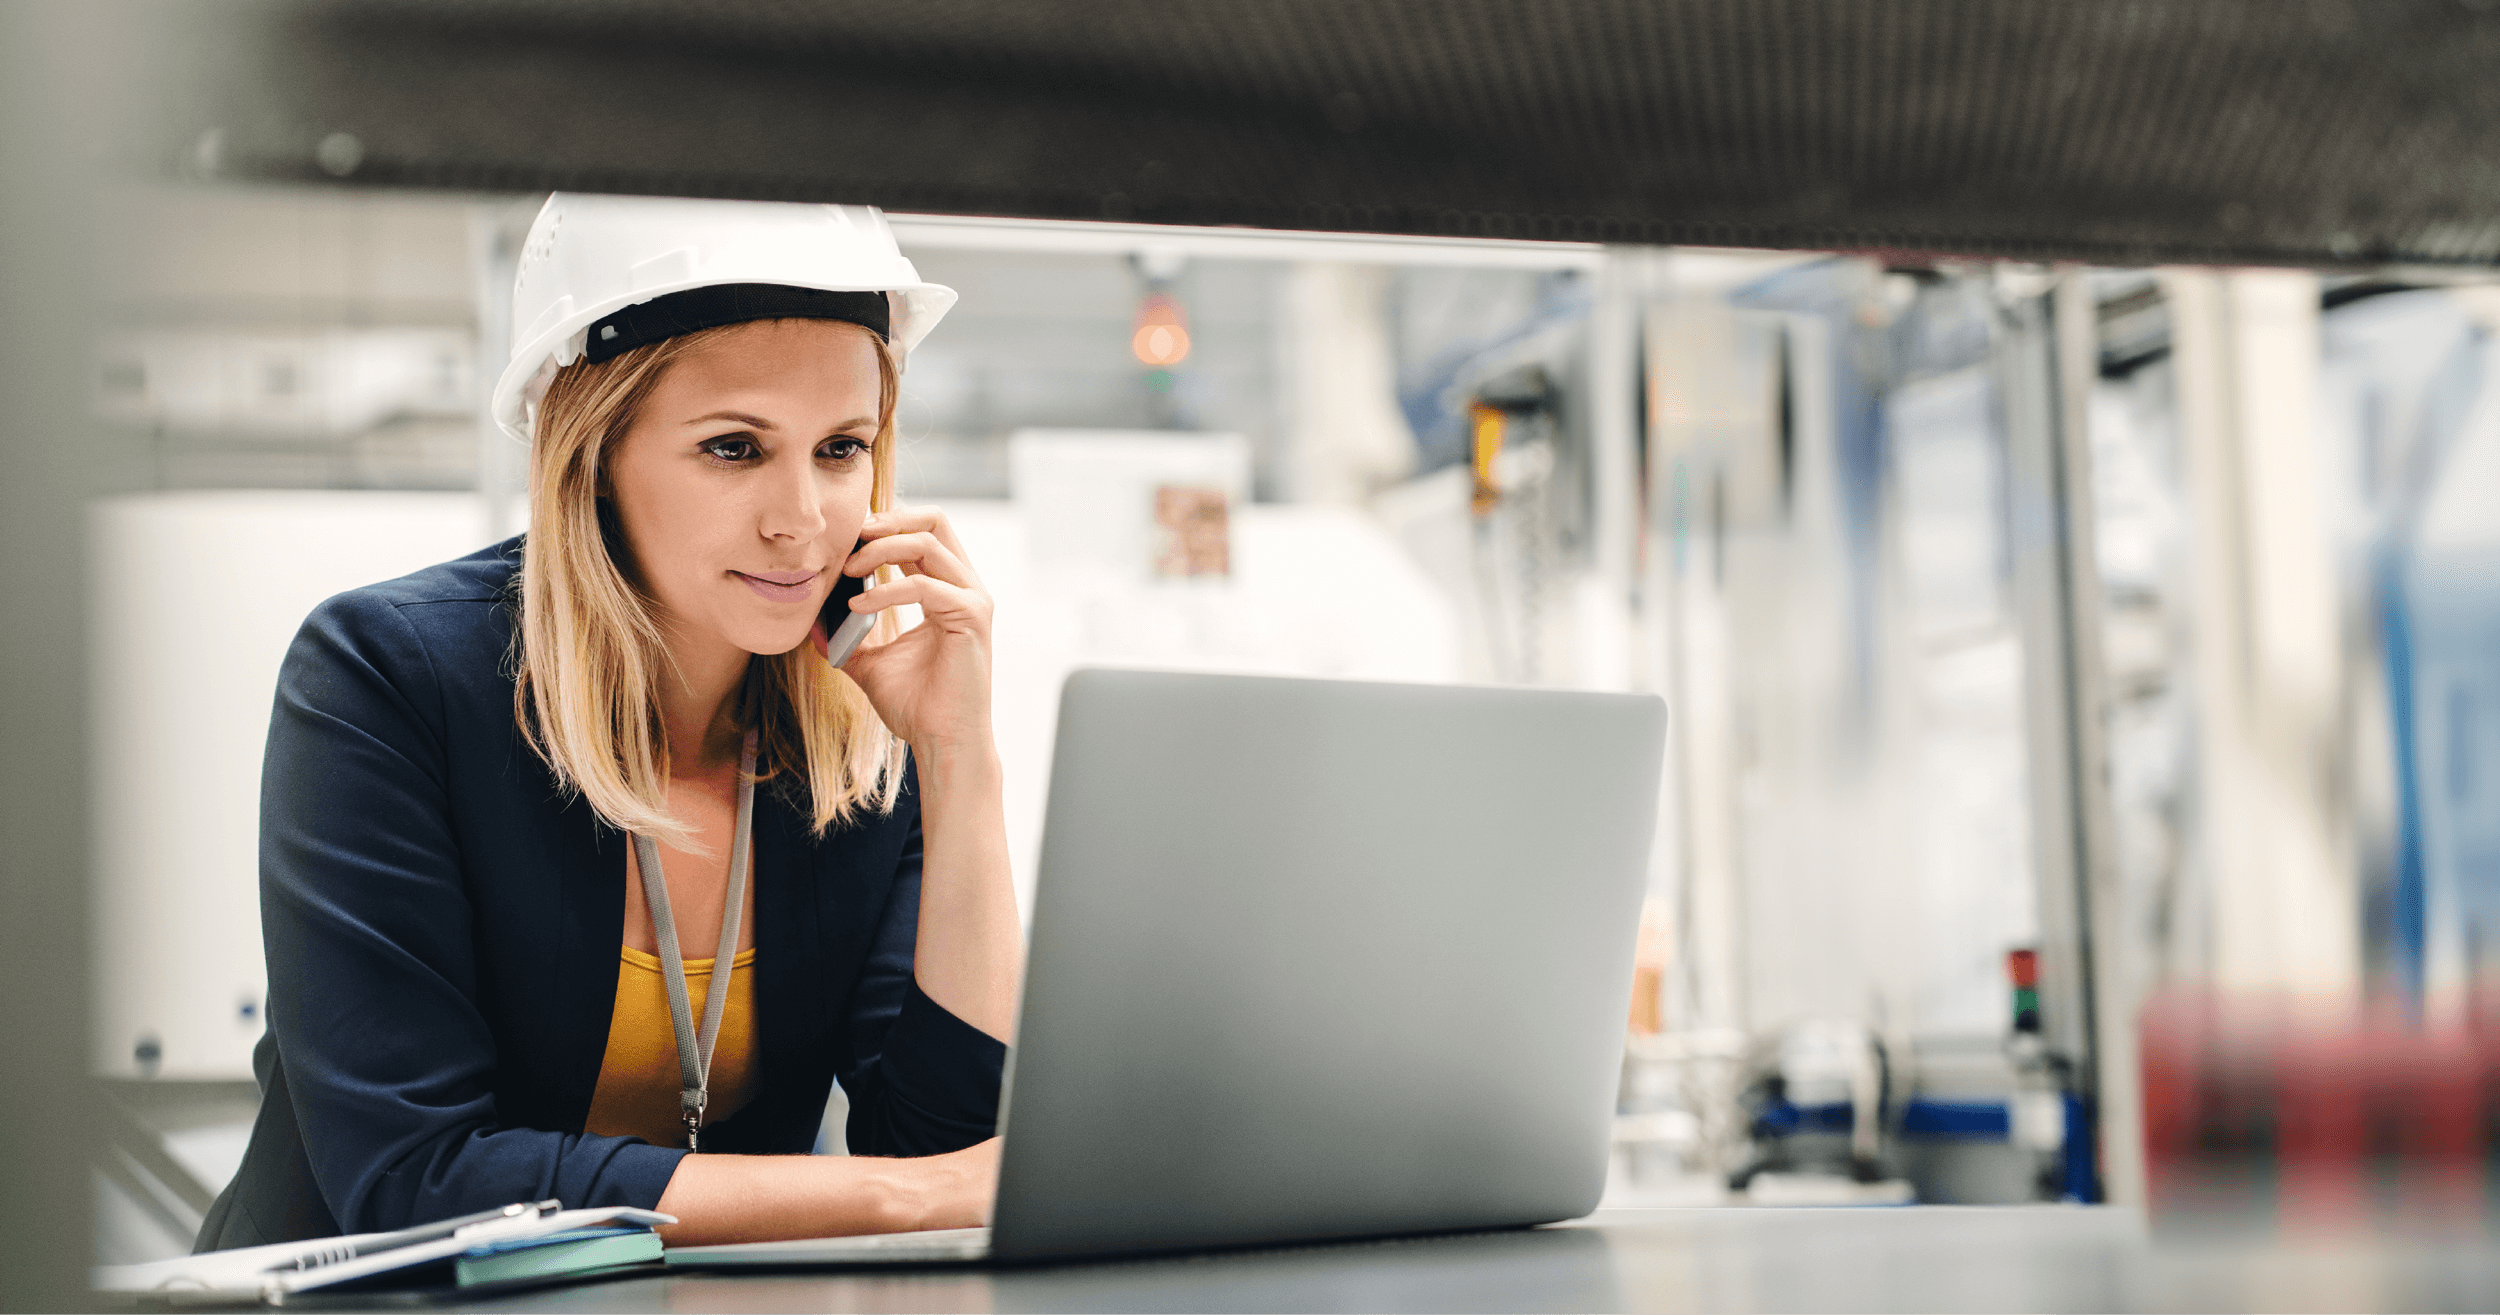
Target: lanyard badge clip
<point>690,1108</point>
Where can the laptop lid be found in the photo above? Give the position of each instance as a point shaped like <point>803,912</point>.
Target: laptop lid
<point>1318,959</point>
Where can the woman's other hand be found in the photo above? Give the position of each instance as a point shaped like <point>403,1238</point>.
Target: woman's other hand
<point>932,685</point>
<point>769,1198</point>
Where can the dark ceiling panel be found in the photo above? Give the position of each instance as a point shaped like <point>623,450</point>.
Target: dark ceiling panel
<point>2258,130</point>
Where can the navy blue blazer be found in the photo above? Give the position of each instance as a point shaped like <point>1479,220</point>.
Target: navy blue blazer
<point>442,926</point>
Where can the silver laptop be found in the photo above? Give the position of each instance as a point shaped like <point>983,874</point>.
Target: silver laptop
<point>1311,960</point>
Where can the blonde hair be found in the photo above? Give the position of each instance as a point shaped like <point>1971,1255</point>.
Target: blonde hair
<point>590,657</point>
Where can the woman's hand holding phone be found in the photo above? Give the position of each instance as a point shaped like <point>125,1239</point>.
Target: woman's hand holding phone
<point>932,685</point>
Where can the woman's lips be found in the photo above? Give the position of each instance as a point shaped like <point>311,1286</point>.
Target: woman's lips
<point>780,586</point>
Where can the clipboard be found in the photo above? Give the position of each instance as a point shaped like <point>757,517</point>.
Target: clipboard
<point>269,1274</point>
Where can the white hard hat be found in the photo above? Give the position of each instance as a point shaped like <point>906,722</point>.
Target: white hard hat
<point>589,257</point>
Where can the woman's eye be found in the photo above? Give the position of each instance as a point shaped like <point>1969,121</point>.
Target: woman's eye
<point>730,449</point>
<point>841,449</point>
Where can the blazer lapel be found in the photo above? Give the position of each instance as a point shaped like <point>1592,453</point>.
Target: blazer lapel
<point>583,993</point>
<point>790,1017</point>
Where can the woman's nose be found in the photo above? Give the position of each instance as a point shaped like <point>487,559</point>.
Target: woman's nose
<point>794,504</point>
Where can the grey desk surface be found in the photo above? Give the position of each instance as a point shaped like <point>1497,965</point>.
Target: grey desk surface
<point>1907,1259</point>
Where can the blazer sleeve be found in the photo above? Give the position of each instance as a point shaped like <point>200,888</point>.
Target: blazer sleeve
<point>373,981</point>
<point>921,1081</point>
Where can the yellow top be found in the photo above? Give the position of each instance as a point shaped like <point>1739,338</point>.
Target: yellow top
<point>638,1080</point>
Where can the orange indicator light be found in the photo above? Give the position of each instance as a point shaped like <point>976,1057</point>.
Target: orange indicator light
<point>1162,339</point>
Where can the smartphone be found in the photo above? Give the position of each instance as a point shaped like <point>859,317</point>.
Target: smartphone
<point>838,629</point>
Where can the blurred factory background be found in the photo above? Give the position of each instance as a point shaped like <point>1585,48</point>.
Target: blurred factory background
<point>2084,780</point>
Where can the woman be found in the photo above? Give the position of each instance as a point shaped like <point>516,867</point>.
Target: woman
<point>500,794</point>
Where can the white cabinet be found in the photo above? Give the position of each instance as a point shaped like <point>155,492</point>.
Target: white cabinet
<point>195,597</point>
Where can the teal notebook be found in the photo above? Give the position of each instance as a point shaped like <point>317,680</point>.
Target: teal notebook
<point>556,1255</point>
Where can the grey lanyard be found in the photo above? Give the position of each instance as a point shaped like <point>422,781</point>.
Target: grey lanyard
<point>694,1052</point>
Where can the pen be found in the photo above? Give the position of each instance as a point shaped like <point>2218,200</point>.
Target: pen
<point>347,1249</point>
